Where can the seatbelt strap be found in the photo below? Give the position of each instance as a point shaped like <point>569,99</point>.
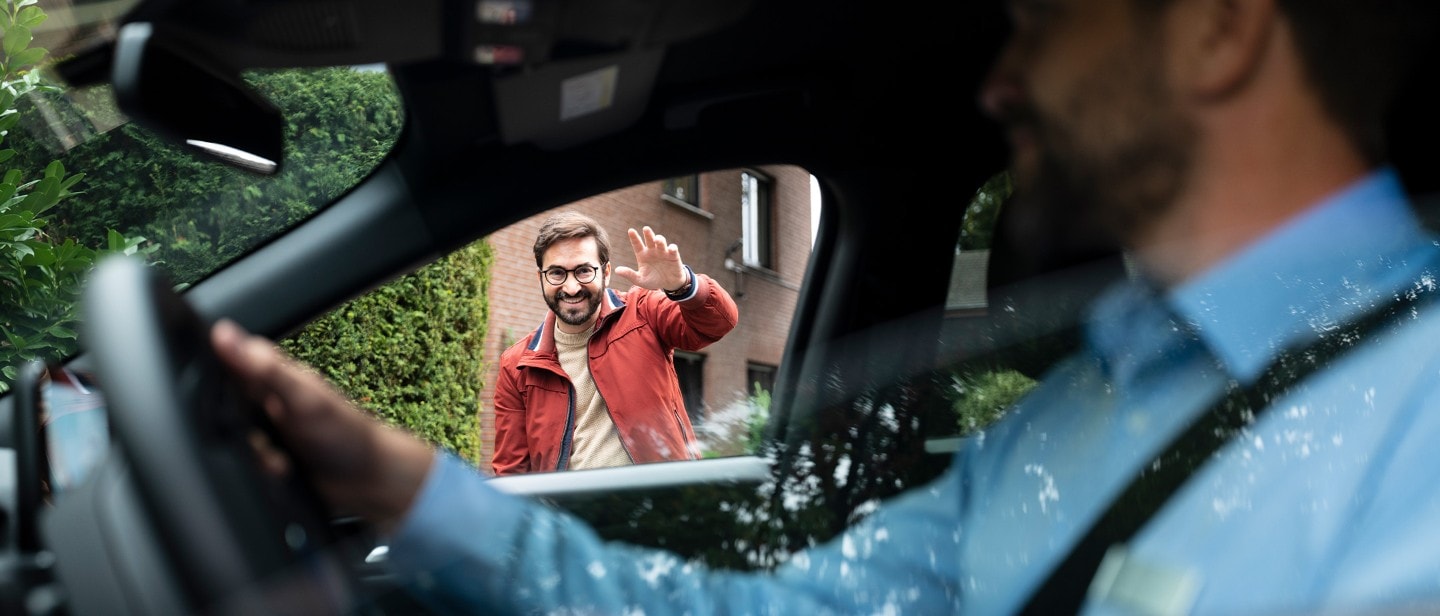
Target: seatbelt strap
<point>1064,591</point>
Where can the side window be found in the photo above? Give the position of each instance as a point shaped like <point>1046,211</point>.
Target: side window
<point>1017,316</point>
<point>425,350</point>
<point>756,219</point>
<point>982,388</point>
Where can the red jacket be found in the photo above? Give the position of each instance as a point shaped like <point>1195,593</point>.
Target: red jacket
<point>632,363</point>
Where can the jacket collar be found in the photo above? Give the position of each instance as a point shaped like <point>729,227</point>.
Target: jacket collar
<point>543,339</point>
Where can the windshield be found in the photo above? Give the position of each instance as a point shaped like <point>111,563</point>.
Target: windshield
<point>81,181</point>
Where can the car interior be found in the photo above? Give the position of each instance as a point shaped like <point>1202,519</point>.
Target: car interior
<point>512,108</point>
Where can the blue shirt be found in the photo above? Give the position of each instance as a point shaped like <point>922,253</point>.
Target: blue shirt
<point>1329,500</point>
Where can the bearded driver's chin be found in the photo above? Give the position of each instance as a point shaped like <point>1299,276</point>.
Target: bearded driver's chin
<point>1025,161</point>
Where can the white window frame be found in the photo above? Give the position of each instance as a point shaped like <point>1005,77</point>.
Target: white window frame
<point>754,197</point>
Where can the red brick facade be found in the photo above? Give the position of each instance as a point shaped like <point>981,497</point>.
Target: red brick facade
<point>766,298</point>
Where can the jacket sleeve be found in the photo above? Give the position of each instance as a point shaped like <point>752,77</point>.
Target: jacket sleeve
<point>693,323</point>
<point>512,450</point>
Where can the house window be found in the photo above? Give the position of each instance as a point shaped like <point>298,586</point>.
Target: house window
<point>756,219</point>
<point>684,190</point>
<point>759,377</point>
<point>690,369</point>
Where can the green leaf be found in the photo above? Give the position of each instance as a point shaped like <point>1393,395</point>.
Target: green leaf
<point>30,16</point>
<point>23,249</point>
<point>41,254</point>
<point>55,169</point>
<point>11,221</point>
<point>28,57</point>
<point>114,241</point>
<point>6,154</point>
<point>25,3</point>
<point>17,38</point>
<point>70,181</point>
<point>132,245</point>
<point>43,197</point>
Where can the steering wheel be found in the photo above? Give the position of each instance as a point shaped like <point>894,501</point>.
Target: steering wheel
<point>240,539</point>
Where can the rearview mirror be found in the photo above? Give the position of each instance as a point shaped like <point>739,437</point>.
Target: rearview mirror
<point>193,103</point>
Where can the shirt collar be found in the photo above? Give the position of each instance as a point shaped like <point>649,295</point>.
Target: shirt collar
<point>1349,252</point>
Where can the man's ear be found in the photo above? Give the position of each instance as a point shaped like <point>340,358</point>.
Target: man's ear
<point>1219,45</point>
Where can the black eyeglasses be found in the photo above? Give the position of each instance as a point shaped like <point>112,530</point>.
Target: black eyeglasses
<point>583,274</point>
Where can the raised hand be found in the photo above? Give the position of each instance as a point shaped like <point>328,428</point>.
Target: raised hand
<point>658,262</point>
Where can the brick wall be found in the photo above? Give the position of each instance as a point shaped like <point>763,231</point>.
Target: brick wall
<point>766,299</point>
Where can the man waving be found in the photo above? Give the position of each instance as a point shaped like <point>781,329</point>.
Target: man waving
<point>595,385</point>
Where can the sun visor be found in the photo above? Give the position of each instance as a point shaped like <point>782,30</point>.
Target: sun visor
<point>569,102</point>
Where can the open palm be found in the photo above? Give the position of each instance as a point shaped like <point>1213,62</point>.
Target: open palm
<point>657,263</point>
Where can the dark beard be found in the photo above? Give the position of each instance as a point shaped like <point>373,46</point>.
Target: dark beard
<point>1094,193</point>
<point>592,304</point>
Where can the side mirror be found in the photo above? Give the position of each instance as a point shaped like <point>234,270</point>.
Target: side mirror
<point>192,103</point>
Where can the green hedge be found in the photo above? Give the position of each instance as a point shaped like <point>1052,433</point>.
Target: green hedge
<point>412,350</point>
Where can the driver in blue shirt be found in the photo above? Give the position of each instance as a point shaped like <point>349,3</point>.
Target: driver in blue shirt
<point>1235,148</point>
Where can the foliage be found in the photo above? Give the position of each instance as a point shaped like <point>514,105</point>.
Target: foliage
<point>339,123</point>
<point>755,424</point>
<point>979,225</point>
<point>41,271</point>
<point>981,398</point>
<point>737,428</point>
<point>412,349</point>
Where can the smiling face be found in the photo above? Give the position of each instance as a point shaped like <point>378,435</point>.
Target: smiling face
<point>1097,140</point>
<point>576,305</point>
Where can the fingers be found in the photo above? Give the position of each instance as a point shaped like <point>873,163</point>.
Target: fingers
<point>232,345</point>
<point>647,243</point>
<point>271,458</point>
<point>660,245</point>
<point>297,400</point>
<point>249,356</point>
<point>658,261</point>
<point>358,464</point>
<point>262,368</point>
<point>626,273</point>
<point>636,243</point>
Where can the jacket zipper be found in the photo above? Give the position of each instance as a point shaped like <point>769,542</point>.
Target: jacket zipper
<point>689,437</point>
<point>565,443</point>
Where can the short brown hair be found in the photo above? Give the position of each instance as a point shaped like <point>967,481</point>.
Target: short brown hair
<point>1357,55</point>
<point>569,226</point>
